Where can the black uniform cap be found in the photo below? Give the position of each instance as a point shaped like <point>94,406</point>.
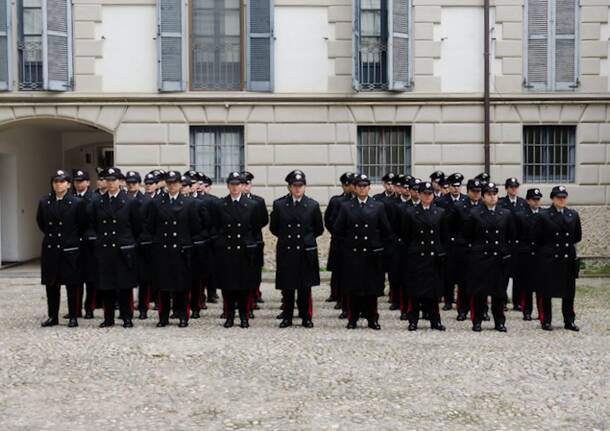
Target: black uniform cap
<point>559,192</point>
<point>511,182</point>
<point>474,185</point>
<point>490,188</point>
<point>533,194</point>
<point>455,179</point>
<point>235,178</point>
<point>387,178</point>
<point>80,175</point>
<point>296,177</point>
<point>437,176</point>
<point>361,180</point>
<point>61,175</point>
<point>133,177</point>
<point>173,177</point>
<point>347,178</point>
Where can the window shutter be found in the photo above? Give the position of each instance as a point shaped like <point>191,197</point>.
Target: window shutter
<point>260,45</point>
<point>356,45</point>
<point>398,45</point>
<point>5,45</point>
<point>57,45</point>
<point>538,52</point>
<point>170,45</point>
<point>565,71</point>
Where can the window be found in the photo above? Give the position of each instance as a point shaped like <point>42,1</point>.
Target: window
<point>384,149</point>
<point>223,53</point>
<point>381,45</point>
<point>551,42</point>
<point>548,154</point>
<point>217,151</point>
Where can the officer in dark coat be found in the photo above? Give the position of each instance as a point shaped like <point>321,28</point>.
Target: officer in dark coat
<point>364,230</point>
<point>388,186</point>
<point>117,222</point>
<point>173,223</point>
<point>263,219</point>
<point>456,239</point>
<point>437,178</point>
<point>236,220</point>
<point>402,205</point>
<point>206,248</point>
<point>296,221</point>
<point>513,202</point>
<point>489,231</point>
<point>82,189</point>
<point>424,235</point>
<point>455,249</point>
<point>557,231</point>
<point>525,252</point>
<point>334,253</point>
<point>62,218</point>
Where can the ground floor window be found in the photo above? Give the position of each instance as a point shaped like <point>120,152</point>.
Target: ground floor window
<point>548,154</point>
<point>217,151</point>
<point>382,149</point>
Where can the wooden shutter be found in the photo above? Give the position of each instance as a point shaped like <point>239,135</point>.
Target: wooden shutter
<point>260,45</point>
<point>356,45</point>
<point>398,45</point>
<point>170,45</point>
<point>57,45</point>
<point>5,45</point>
<point>565,49</point>
<point>538,53</point>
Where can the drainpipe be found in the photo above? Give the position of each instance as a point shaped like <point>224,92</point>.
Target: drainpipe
<point>486,107</point>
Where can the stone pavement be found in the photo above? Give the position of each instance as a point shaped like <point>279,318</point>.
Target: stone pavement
<point>327,378</point>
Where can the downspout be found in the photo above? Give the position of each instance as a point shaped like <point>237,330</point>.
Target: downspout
<point>486,104</point>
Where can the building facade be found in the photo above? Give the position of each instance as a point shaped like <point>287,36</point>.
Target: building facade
<point>323,85</point>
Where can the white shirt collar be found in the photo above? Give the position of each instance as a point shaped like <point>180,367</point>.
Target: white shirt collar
<point>176,196</point>
<point>114,195</point>
<point>363,201</point>
<point>403,199</point>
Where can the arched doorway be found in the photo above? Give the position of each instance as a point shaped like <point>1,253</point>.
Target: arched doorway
<point>30,150</point>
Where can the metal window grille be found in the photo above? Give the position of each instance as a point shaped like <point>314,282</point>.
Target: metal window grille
<point>217,151</point>
<point>548,154</point>
<point>30,44</point>
<point>372,58</point>
<point>384,149</point>
<point>216,45</point>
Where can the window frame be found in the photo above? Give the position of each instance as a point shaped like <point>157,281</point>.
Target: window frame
<point>218,129</point>
<point>545,153</point>
<point>407,165</point>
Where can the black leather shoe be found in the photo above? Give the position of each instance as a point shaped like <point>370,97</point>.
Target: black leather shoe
<point>252,315</point>
<point>106,324</point>
<point>486,317</point>
<point>437,326</point>
<point>394,306</point>
<point>352,325</point>
<point>66,316</point>
<point>547,327</point>
<point>404,316</point>
<point>500,327</point>
<point>183,323</point>
<point>173,315</point>
<point>255,306</point>
<point>571,327</point>
<point>527,317</point>
<point>330,299</point>
<point>195,314</point>
<point>280,316</point>
<point>447,307</point>
<point>285,323</point>
<point>212,300</point>
<point>307,323</point>
<point>223,315</point>
<point>49,322</point>
<point>343,315</point>
<point>476,327</point>
<point>127,323</point>
<point>228,323</point>
<point>517,308</point>
<point>374,325</point>
<point>72,323</point>
<point>244,324</point>
<point>143,315</point>
<point>88,315</point>
<point>162,324</point>
<point>338,306</point>
<point>461,317</point>
<point>204,307</point>
<point>412,327</point>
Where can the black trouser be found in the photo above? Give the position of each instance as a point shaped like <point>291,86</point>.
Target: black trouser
<point>145,295</point>
<point>230,298</point>
<point>545,309</point>
<point>526,301</point>
<point>196,296</point>
<point>125,297</point>
<point>54,296</point>
<point>463,300</point>
<point>428,305</point>
<point>362,305</point>
<point>165,304</point>
<point>304,303</point>
<point>517,292</point>
<point>478,304</point>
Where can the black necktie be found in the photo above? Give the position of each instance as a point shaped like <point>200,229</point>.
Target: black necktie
<point>361,204</point>
<point>235,203</point>
<point>296,203</point>
<point>172,200</point>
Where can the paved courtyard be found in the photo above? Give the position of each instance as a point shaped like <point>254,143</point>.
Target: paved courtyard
<point>326,378</point>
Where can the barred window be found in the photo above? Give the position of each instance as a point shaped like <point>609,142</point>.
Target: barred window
<point>373,44</point>
<point>217,151</point>
<point>30,45</point>
<point>548,154</point>
<point>383,149</point>
<point>216,45</point>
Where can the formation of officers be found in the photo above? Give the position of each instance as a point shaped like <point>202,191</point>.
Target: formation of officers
<point>178,244</point>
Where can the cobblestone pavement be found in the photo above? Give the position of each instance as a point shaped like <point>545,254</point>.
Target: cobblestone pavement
<point>326,378</point>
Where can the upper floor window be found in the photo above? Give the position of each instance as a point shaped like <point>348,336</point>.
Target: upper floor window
<point>230,46</point>
<point>381,45</point>
<point>383,149</point>
<point>548,154</point>
<point>551,60</point>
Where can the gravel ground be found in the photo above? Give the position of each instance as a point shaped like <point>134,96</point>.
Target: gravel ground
<point>293,379</point>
